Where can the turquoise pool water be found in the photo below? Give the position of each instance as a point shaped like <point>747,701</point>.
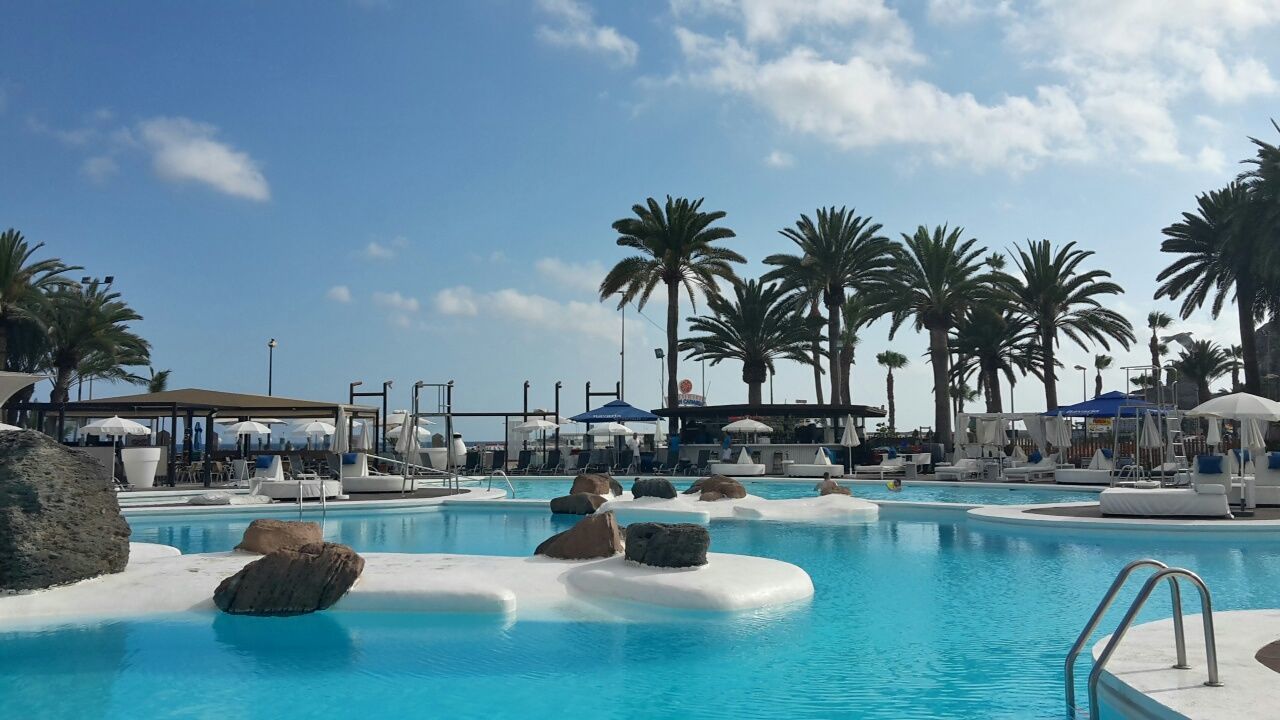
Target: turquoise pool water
<point>911,619</point>
<point>952,493</point>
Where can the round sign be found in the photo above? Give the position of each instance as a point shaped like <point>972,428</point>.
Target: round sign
<point>686,386</point>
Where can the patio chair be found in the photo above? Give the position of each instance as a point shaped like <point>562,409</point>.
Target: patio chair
<point>554,463</point>
<point>498,461</point>
<point>522,463</point>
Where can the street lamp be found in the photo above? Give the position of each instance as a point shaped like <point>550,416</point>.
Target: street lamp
<point>1084,382</point>
<point>271,359</point>
<point>662,376</point>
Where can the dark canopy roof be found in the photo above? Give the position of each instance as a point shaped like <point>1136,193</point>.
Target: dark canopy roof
<point>773,410</point>
<point>203,402</point>
<point>615,411</point>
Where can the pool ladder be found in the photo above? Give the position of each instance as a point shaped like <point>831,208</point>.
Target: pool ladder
<point>505,479</point>
<point>1163,572</point>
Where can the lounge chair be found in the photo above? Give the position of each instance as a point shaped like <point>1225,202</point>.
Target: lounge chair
<point>599,461</point>
<point>744,466</point>
<point>356,476</point>
<point>1207,496</point>
<point>578,464</point>
<point>626,461</point>
<point>268,480</point>
<point>498,461</point>
<point>670,463</point>
<point>1042,469</point>
<point>522,463</point>
<point>554,463</point>
<point>962,469</point>
<point>472,462</point>
<point>887,466</point>
<point>820,466</point>
<point>702,464</point>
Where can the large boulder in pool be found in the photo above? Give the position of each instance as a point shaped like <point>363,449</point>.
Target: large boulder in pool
<point>595,536</point>
<point>577,504</point>
<point>291,581</point>
<point>265,536</point>
<point>596,484</point>
<point>717,487</point>
<point>653,487</point>
<point>59,518</point>
<point>670,545</point>
<point>831,487</point>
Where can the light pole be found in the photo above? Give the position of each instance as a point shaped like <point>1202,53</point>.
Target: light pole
<point>1084,382</point>
<point>770,386</point>
<point>662,377</point>
<point>271,362</point>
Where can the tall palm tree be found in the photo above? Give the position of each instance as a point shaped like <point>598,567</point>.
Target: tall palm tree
<point>1262,220</point>
<point>1054,294</point>
<point>805,282</point>
<point>755,328</point>
<point>157,380</point>
<point>1100,363</point>
<point>675,246</point>
<point>846,251</point>
<point>855,315</point>
<point>1202,362</point>
<point>89,336</point>
<point>1157,321</point>
<point>990,342</point>
<point>1234,355</point>
<point>934,278</point>
<point>1219,254</point>
<point>24,283</point>
<point>890,361</point>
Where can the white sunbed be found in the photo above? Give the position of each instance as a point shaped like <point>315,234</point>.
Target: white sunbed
<point>1045,469</point>
<point>962,469</point>
<point>1200,500</point>
<point>820,466</point>
<point>1097,473</point>
<point>743,467</point>
<point>355,475</point>
<point>270,481</point>
<point>887,466</point>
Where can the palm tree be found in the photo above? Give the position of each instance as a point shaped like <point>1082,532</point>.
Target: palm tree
<point>989,342</point>
<point>890,361</point>
<point>1054,295</point>
<point>805,282</point>
<point>961,393</point>
<point>675,245</point>
<point>1219,255</point>
<point>158,380</point>
<point>89,337</point>
<point>1234,354</point>
<point>1100,363</point>
<point>933,279</point>
<point>855,315</point>
<point>756,328</point>
<point>1202,362</point>
<point>1157,321</point>
<point>24,283</point>
<point>1263,220</point>
<point>846,251</point>
<point>1142,381</point>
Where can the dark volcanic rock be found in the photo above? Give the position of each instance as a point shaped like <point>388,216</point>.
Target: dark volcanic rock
<point>593,483</point>
<point>718,486</point>
<point>59,518</point>
<point>265,536</point>
<point>291,581</point>
<point>615,487</point>
<point>653,487</point>
<point>673,545</point>
<point>595,536</point>
<point>577,504</point>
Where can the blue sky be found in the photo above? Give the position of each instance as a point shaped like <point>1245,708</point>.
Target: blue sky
<point>424,190</point>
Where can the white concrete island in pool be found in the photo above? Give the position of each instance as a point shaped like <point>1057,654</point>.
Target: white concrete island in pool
<point>689,509</point>
<point>159,580</point>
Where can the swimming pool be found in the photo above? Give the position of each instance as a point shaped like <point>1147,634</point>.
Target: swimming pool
<point>918,618</point>
<point>540,489</point>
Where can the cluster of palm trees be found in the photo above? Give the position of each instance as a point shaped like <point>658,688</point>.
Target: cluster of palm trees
<point>72,331</point>
<point>981,321</point>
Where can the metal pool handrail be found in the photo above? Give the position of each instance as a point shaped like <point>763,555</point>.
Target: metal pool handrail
<point>505,479</point>
<point>1206,610</point>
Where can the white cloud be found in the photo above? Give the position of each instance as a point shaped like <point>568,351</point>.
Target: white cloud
<point>530,311</point>
<point>377,251</point>
<point>1108,75</point>
<point>575,27</point>
<point>581,277</point>
<point>339,293</point>
<point>457,301</point>
<point>184,150</point>
<point>99,168</point>
<point>779,159</point>
<point>396,301</point>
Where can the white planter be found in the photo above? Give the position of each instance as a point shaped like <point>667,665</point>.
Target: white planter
<point>140,465</point>
<point>459,451</point>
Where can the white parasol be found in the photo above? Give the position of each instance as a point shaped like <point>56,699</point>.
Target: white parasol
<point>115,427</point>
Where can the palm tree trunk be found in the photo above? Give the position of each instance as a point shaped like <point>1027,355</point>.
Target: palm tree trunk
<point>61,391</point>
<point>833,341</point>
<point>673,324</point>
<point>754,393</point>
<point>1050,377</point>
<point>846,367</point>
<point>4,343</point>
<point>993,387</point>
<point>1155,357</point>
<point>893,408</point>
<point>941,389</point>
<point>816,349</point>
<point>1245,294</point>
<point>1202,391</point>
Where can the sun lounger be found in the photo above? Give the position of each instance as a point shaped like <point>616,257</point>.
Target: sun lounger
<point>820,466</point>
<point>1200,500</point>
<point>963,469</point>
<point>1042,470</point>
<point>580,463</point>
<point>355,476</point>
<point>887,467</point>
<point>744,466</point>
<point>523,459</point>
<point>554,463</point>
<point>670,463</point>
<point>269,480</point>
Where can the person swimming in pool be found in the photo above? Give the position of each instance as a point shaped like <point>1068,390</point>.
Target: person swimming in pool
<point>895,484</point>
